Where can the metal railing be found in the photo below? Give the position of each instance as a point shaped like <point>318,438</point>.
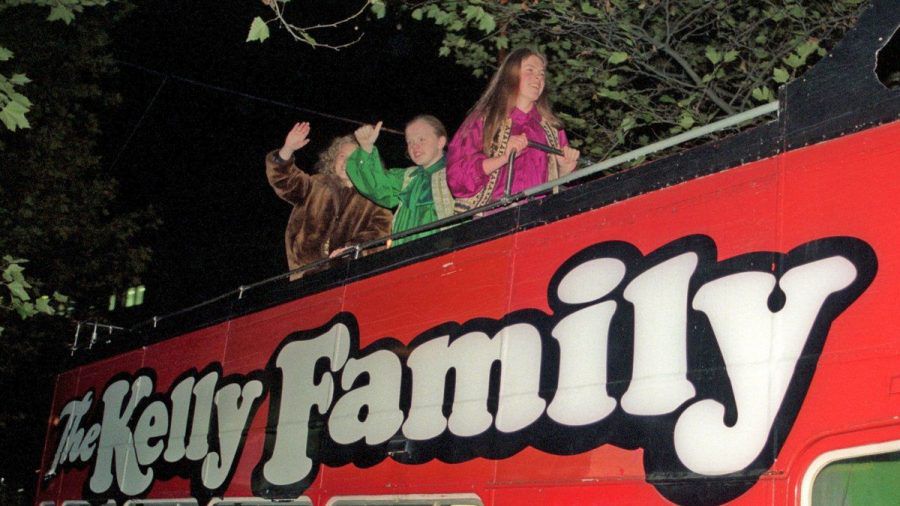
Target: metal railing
<point>95,326</point>
<point>507,200</point>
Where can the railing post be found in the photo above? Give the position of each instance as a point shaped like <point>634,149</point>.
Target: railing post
<point>75,342</point>
<point>93,337</point>
<point>509,173</point>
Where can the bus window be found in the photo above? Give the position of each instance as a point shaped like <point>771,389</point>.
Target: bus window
<point>408,500</point>
<point>162,502</point>
<point>80,502</point>
<point>867,476</point>
<point>252,501</point>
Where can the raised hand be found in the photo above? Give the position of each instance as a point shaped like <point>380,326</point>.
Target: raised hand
<point>567,162</point>
<point>295,139</point>
<point>366,136</point>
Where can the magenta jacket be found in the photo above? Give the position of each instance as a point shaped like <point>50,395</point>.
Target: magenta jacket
<point>465,174</point>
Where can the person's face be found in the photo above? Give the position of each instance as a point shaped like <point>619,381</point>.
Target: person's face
<point>531,78</point>
<point>340,163</point>
<point>422,144</point>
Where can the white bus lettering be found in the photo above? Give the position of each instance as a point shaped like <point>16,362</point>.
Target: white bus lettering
<point>616,350</point>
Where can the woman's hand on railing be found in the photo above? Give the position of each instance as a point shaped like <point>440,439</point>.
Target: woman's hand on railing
<point>516,143</point>
<point>568,161</point>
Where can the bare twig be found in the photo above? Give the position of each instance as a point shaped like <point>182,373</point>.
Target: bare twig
<point>301,33</point>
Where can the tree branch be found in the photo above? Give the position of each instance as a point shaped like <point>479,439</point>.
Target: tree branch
<point>301,33</point>
<point>688,69</point>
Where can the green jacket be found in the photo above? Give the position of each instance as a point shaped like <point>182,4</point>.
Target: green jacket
<point>421,195</point>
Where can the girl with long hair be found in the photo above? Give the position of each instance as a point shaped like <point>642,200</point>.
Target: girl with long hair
<point>513,110</point>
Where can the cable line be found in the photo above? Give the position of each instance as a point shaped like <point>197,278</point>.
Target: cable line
<point>257,98</point>
<point>138,124</point>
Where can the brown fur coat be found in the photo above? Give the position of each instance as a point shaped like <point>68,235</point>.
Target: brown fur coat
<point>326,215</point>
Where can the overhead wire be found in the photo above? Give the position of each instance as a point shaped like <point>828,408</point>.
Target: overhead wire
<point>257,98</point>
<point>138,124</point>
<point>168,76</point>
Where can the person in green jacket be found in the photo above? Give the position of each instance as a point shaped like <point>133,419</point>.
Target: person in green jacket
<point>419,193</point>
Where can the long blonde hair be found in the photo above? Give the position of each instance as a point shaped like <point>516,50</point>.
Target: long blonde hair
<point>499,99</point>
<point>327,158</point>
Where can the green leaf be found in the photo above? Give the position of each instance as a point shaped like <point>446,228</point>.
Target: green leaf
<point>417,13</point>
<point>16,106</point>
<point>42,305</point>
<point>780,75</point>
<point>442,17</point>
<point>378,8</point>
<point>473,12</point>
<point>5,54</point>
<point>62,299</point>
<point>730,56</point>
<point>61,13</point>
<point>25,309</point>
<point>18,290</point>
<point>13,272</point>
<point>612,95</point>
<point>13,116</point>
<point>21,100</point>
<point>762,94</point>
<point>259,30</point>
<point>502,42</point>
<point>793,60</point>
<point>308,38</point>
<point>807,48</point>
<point>486,23</point>
<point>589,9</point>
<point>686,121</point>
<point>19,79</point>
<point>713,55</point>
<point>617,57</point>
<point>666,99</point>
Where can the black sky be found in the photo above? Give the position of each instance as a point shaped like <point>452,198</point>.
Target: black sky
<point>201,107</point>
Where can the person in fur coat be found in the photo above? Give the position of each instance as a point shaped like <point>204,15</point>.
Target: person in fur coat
<point>329,215</point>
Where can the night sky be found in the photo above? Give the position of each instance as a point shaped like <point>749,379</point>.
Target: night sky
<point>201,107</point>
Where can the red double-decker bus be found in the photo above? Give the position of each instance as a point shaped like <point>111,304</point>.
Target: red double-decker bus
<point>715,327</point>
